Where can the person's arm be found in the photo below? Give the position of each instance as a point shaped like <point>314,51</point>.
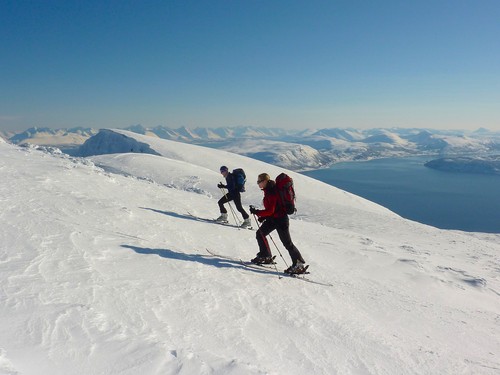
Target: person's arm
<point>270,202</point>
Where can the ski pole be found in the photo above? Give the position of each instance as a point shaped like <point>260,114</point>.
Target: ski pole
<point>233,212</point>
<point>230,206</point>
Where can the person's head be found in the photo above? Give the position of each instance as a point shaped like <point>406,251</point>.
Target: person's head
<point>262,180</point>
<point>224,171</point>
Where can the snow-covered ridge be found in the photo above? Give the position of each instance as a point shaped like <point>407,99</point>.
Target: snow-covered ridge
<point>104,271</point>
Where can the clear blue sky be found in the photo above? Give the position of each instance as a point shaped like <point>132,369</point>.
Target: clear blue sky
<point>286,63</point>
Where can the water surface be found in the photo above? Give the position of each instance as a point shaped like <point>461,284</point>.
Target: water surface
<point>447,200</point>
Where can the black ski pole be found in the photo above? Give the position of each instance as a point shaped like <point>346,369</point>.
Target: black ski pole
<point>267,244</point>
<point>230,207</point>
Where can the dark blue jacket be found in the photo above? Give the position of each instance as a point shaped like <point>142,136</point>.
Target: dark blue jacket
<point>231,184</point>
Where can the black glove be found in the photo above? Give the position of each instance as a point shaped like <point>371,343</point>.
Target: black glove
<point>261,219</point>
<point>221,186</point>
<point>253,210</point>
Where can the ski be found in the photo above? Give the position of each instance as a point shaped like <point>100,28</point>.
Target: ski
<point>222,256</point>
<point>234,259</point>
<point>240,260</point>
<point>270,267</point>
<point>214,221</point>
<point>299,276</point>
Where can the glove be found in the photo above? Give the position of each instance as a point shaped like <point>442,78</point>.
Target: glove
<point>221,186</point>
<point>261,219</point>
<point>253,210</point>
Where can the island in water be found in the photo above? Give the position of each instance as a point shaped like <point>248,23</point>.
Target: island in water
<point>479,165</point>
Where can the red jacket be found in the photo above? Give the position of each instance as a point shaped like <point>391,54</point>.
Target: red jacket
<point>272,206</point>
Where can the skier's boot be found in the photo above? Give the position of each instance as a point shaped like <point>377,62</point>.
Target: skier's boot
<point>263,260</point>
<point>246,223</point>
<point>222,218</point>
<point>296,269</point>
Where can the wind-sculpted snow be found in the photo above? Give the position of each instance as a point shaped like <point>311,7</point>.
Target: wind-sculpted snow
<point>104,271</point>
<point>46,149</point>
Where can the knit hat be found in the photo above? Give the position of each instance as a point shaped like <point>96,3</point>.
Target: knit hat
<point>224,169</point>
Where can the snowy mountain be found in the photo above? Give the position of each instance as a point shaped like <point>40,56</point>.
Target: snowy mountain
<point>112,142</point>
<point>331,145</point>
<point>186,134</point>
<point>53,137</point>
<point>4,135</point>
<point>283,154</point>
<point>103,270</point>
<point>350,135</point>
<point>386,137</point>
<point>287,155</point>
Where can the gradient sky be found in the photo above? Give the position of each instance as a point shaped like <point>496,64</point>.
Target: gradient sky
<point>287,63</point>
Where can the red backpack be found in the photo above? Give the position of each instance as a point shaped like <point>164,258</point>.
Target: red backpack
<point>284,186</point>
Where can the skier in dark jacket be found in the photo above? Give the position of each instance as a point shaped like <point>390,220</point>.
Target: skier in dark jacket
<point>274,216</point>
<point>233,194</point>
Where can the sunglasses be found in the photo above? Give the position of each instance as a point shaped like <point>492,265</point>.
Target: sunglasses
<point>259,181</point>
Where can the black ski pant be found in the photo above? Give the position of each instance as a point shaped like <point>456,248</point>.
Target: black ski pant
<point>236,197</point>
<point>282,226</point>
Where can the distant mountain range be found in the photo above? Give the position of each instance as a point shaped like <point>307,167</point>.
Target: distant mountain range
<point>51,137</point>
<point>293,149</point>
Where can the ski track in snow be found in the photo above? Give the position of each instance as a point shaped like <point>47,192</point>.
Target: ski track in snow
<point>106,273</point>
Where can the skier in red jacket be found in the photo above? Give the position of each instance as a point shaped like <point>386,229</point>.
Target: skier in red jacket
<point>274,217</point>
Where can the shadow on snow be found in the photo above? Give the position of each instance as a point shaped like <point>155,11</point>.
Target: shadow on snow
<point>174,214</point>
<point>208,260</point>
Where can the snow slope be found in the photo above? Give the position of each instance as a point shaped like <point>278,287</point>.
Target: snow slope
<point>102,271</point>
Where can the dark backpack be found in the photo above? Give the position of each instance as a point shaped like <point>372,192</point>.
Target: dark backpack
<point>239,179</point>
<point>284,186</point>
